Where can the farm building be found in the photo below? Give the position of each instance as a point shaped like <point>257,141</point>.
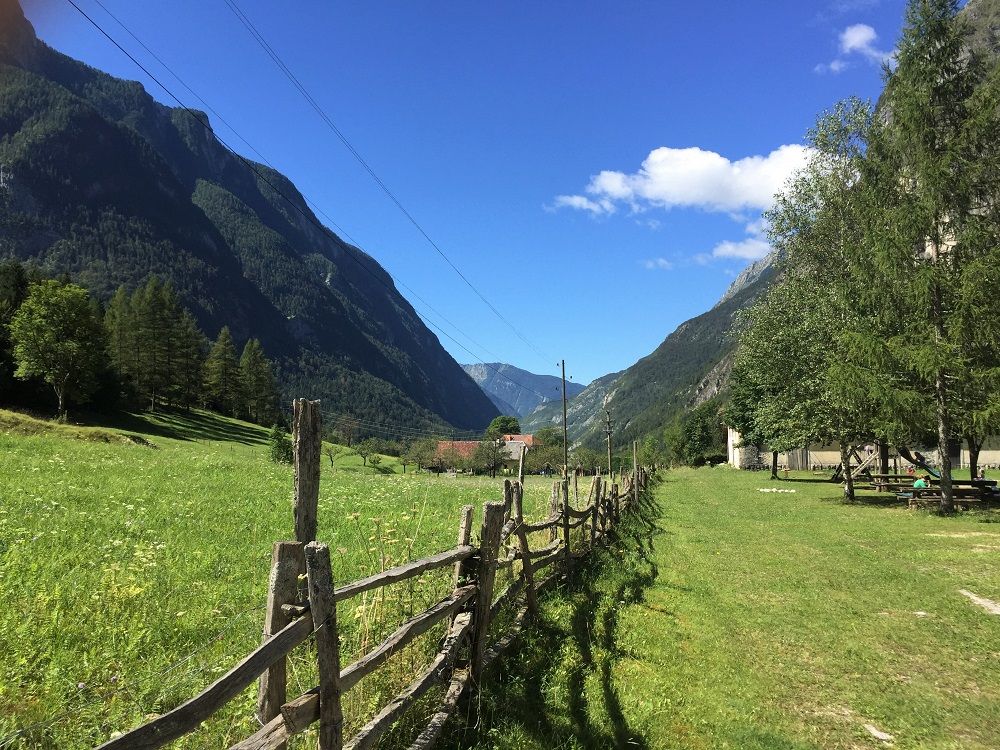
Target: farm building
<point>748,456</point>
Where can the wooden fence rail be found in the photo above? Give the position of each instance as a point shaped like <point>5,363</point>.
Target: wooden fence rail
<point>300,606</point>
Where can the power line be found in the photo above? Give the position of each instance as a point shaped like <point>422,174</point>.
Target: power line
<point>276,58</point>
<point>264,159</point>
<point>312,219</point>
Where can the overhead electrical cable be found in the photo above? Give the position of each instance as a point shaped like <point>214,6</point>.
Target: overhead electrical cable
<point>276,58</point>
<point>264,159</point>
<point>312,219</point>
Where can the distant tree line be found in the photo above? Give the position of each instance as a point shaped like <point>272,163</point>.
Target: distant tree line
<point>144,350</point>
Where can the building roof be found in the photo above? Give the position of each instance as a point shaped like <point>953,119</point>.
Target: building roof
<point>528,440</point>
<point>464,448</point>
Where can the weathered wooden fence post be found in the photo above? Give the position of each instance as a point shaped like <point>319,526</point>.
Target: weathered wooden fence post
<point>464,538</point>
<point>306,443</point>
<point>613,505</point>
<point>595,514</point>
<point>635,472</point>
<point>287,563</point>
<point>486,573</point>
<point>527,569</point>
<point>324,613</point>
<point>554,510</point>
<point>520,465</point>
<point>565,525</point>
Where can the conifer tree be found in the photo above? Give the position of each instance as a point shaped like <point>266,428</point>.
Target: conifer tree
<point>189,359</point>
<point>222,375</point>
<point>258,388</point>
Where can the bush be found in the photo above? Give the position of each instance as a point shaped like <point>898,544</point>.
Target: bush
<point>279,446</point>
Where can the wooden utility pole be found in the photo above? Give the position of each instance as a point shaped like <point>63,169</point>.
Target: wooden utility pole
<point>565,432</point>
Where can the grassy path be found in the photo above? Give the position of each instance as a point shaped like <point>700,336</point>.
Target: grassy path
<point>769,620</point>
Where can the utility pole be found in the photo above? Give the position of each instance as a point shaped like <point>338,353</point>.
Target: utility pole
<point>607,429</point>
<point>565,433</point>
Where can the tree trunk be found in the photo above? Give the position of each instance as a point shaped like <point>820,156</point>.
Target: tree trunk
<point>974,447</point>
<point>845,460</point>
<point>944,432</point>
<point>774,464</point>
<point>883,457</point>
<point>61,397</point>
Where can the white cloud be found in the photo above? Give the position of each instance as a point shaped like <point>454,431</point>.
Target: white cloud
<point>582,203</point>
<point>658,264</point>
<point>751,248</point>
<point>859,40</point>
<point>692,178</point>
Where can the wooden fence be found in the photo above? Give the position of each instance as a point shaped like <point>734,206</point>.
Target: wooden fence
<point>303,606</point>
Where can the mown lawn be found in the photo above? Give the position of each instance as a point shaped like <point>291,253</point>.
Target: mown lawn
<point>132,575</point>
<point>743,619</point>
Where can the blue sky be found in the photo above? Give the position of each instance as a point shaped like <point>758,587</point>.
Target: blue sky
<point>597,169</point>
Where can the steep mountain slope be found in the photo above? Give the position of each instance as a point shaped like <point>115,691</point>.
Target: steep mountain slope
<point>518,392</point>
<point>690,366</point>
<point>110,186</point>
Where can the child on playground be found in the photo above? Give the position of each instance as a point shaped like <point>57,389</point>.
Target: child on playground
<point>922,483</point>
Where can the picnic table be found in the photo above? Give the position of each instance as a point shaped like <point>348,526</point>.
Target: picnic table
<point>966,493</point>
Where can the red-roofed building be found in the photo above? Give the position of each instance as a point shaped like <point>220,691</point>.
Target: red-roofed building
<point>528,440</point>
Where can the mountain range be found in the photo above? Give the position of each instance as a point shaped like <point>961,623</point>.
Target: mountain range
<point>690,366</point>
<point>110,186</point>
<point>518,392</point>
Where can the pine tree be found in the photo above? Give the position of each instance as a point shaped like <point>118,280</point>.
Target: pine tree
<point>257,378</point>
<point>222,375</point>
<point>190,360</point>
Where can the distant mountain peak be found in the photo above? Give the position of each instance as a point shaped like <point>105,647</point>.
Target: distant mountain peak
<point>18,43</point>
<point>515,391</point>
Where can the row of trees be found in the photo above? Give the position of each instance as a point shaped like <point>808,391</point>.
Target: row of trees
<point>146,348</point>
<point>886,321</point>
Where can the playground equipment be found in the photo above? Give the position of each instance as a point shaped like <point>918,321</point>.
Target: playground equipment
<point>917,459</point>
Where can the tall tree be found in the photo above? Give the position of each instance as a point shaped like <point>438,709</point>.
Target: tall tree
<point>58,338</point>
<point>222,374</point>
<point>258,388</point>
<point>941,146</point>
<point>503,425</point>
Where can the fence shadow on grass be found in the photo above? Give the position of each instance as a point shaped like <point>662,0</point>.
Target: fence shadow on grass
<point>558,687</point>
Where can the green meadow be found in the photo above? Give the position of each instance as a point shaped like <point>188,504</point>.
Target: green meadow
<point>134,561</point>
<point>749,620</point>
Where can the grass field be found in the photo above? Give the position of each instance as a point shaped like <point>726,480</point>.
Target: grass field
<point>741,619</point>
<point>134,559</point>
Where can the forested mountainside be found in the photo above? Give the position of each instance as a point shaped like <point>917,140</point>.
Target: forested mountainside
<point>518,392</point>
<point>111,187</point>
<point>690,366</point>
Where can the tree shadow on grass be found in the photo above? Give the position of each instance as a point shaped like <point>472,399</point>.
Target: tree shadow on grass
<point>558,686</point>
<point>178,424</point>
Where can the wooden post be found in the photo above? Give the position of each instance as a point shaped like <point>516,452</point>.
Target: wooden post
<point>635,472</point>
<point>527,571</point>
<point>565,524</point>
<point>520,465</point>
<point>508,499</point>
<point>554,510</point>
<point>612,505</point>
<point>616,507</point>
<point>485,576</point>
<point>306,446</point>
<point>464,537</point>
<point>324,614</point>
<point>595,506</point>
<point>576,489</point>
<point>287,562</point>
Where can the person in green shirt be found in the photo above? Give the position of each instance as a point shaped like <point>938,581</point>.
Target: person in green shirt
<point>921,483</point>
